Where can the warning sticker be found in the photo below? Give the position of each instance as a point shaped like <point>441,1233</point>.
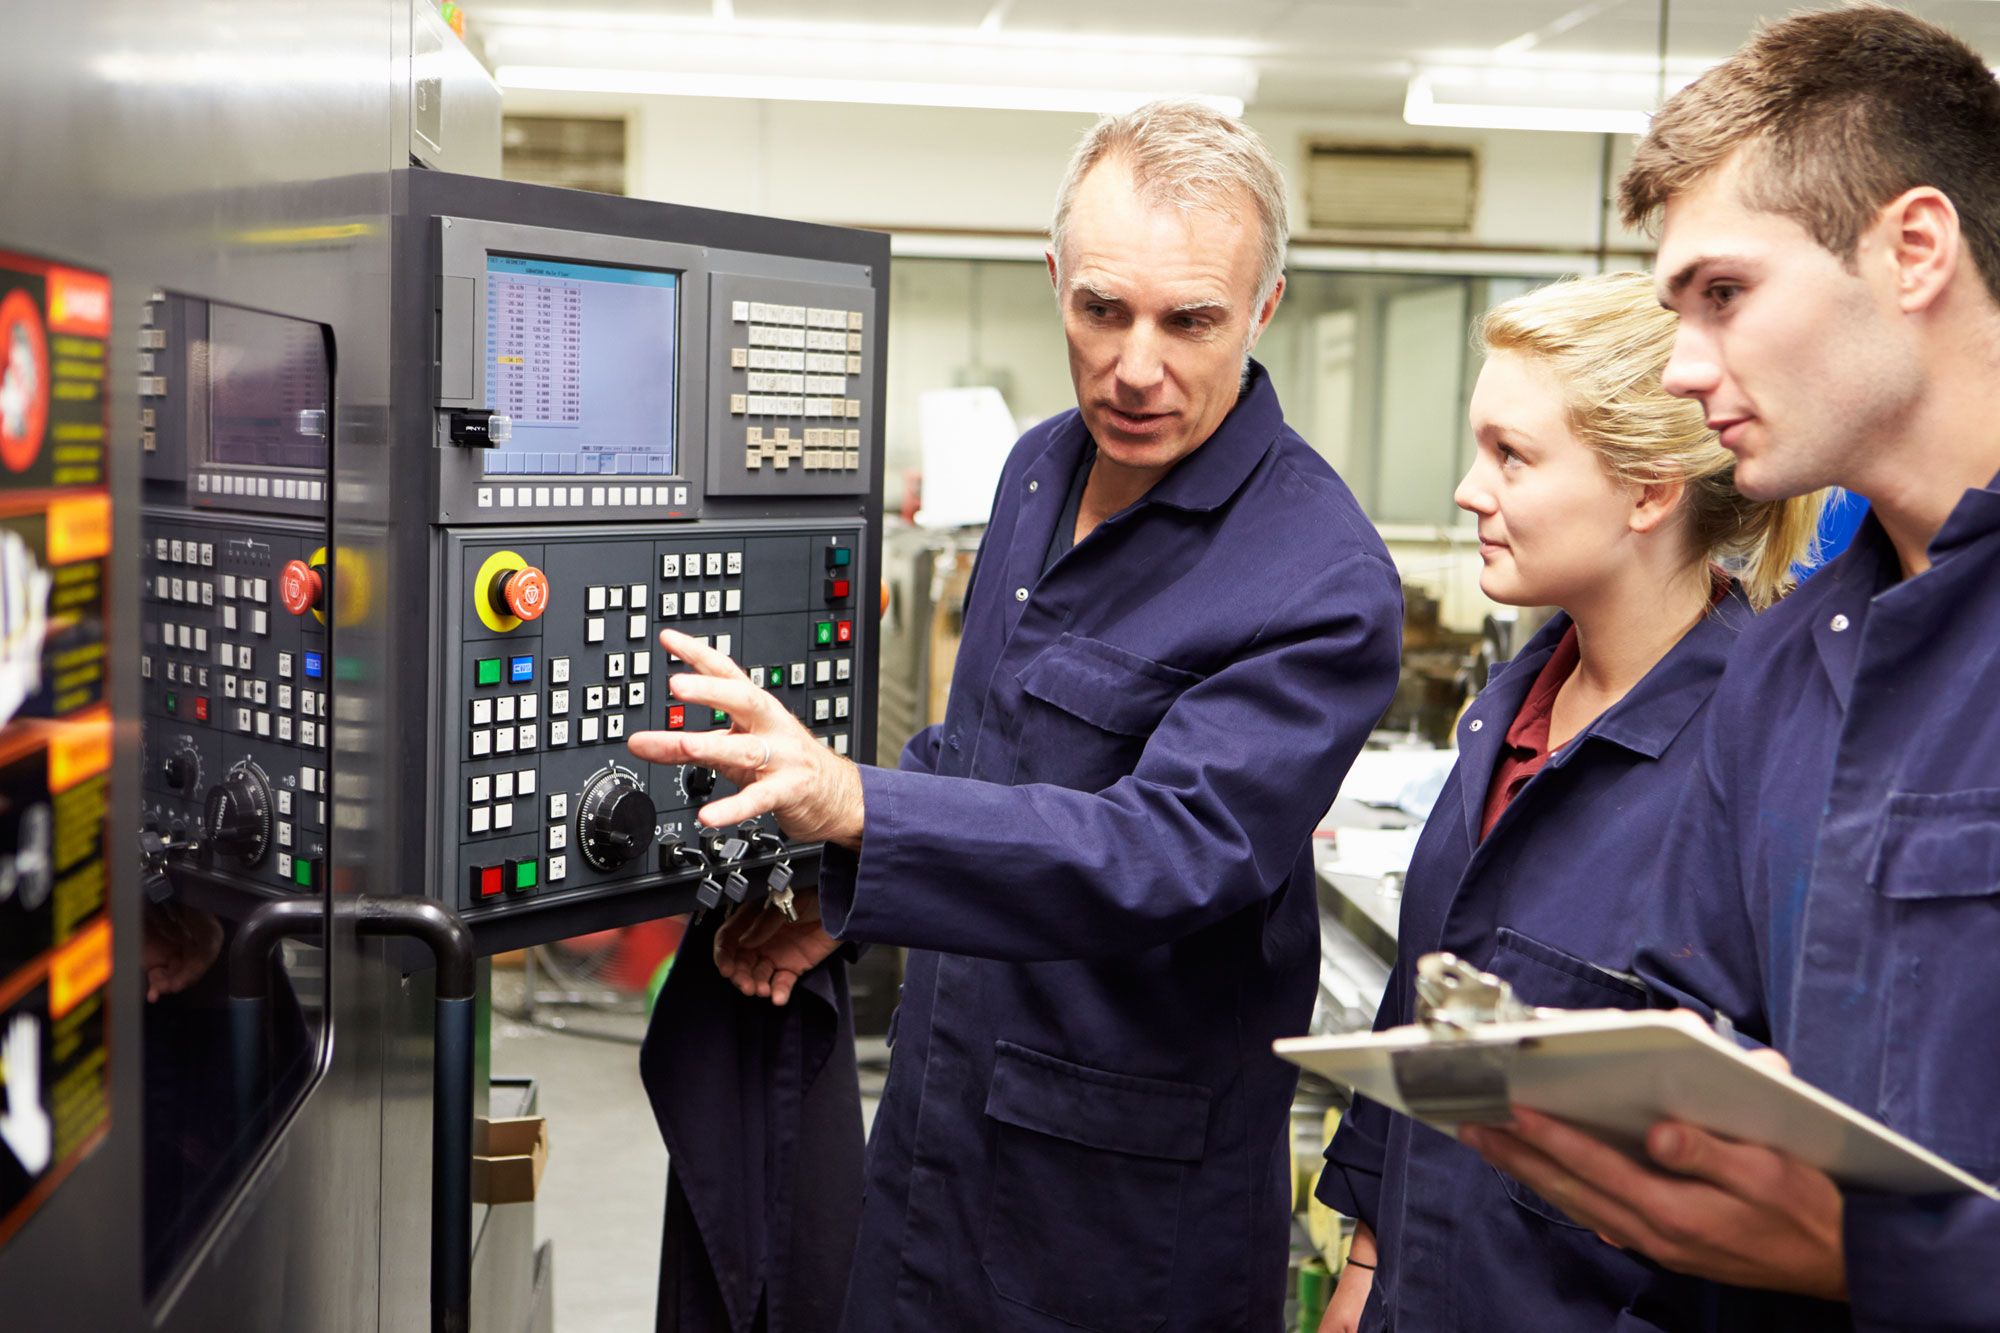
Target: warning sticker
<point>55,731</point>
<point>55,323</point>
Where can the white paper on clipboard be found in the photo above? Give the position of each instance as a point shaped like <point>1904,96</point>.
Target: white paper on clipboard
<point>1617,1073</point>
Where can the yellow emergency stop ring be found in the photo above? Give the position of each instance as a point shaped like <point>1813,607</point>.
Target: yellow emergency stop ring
<point>352,590</point>
<point>317,560</point>
<point>482,590</point>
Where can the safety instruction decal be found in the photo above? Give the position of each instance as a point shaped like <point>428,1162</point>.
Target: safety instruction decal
<point>55,727</point>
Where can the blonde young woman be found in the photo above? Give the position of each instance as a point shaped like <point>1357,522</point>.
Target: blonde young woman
<point>1597,493</point>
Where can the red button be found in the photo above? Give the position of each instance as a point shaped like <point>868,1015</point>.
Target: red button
<point>677,717</point>
<point>489,881</point>
<point>298,587</point>
<point>525,592</point>
<point>843,589</point>
<point>844,632</point>
<point>201,710</point>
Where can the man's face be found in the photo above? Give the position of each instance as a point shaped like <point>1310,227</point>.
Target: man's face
<point>1803,366</point>
<point>1157,305</point>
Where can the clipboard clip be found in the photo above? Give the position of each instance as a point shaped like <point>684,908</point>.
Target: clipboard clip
<point>1454,997</point>
<point>1452,1078</point>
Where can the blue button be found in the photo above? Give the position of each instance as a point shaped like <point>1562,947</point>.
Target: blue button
<point>312,666</point>
<point>520,670</point>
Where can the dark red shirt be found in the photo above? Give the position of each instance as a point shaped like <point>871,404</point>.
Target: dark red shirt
<point>1527,745</point>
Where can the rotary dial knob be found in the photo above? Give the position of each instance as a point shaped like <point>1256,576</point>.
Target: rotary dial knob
<point>615,819</point>
<point>237,816</point>
<point>698,783</point>
<point>181,770</point>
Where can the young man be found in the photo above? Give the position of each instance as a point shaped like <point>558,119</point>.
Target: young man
<point>1831,242</point>
<point>1179,633</point>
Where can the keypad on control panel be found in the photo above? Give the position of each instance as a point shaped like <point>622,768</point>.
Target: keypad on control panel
<point>599,675</point>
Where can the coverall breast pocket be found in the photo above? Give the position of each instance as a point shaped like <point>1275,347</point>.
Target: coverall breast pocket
<point>1088,1172</point>
<point>1091,707</point>
<point>1938,868</point>
<point>1545,976</point>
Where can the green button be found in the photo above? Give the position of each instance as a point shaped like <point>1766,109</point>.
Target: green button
<point>489,671</point>
<point>721,718</point>
<point>172,707</point>
<point>823,633</point>
<point>777,677</point>
<point>302,872</point>
<point>524,874</point>
<point>842,557</point>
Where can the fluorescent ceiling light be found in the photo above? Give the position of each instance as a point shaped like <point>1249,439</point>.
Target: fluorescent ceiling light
<point>1569,96</point>
<point>860,63</point>
<point>880,92</point>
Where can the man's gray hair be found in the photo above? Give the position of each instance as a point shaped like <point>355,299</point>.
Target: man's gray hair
<point>1187,155</point>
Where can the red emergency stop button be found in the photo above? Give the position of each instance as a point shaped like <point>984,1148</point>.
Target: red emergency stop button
<point>521,593</point>
<point>299,586</point>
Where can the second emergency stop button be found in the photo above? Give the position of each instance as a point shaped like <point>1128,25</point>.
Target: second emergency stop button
<point>299,587</point>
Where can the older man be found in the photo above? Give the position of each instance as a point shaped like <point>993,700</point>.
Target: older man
<point>1180,631</point>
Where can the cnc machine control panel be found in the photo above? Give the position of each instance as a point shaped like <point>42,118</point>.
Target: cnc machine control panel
<point>234,666</point>
<point>643,418</point>
<point>545,795</point>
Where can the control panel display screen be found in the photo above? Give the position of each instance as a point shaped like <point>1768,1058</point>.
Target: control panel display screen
<point>581,358</point>
<point>267,391</point>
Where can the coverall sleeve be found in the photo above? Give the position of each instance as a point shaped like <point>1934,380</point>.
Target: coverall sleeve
<point>1922,1263</point>
<point>1351,1183</point>
<point>1212,819</point>
<point>837,865</point>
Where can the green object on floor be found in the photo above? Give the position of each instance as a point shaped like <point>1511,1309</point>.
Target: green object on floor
<point>1315,1293</point>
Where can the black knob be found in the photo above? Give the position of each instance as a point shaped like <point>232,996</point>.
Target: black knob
<point>181,771</point>
<point>615,821</point>
<point>237,816</point>
<point>699,784</point>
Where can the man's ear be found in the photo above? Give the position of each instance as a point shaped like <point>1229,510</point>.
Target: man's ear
<point>1919,233</point>
<point>1055,280</point>
<point>1264,312</point>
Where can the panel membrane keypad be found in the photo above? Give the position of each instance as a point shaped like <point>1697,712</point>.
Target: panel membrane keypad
<point>544,798</point>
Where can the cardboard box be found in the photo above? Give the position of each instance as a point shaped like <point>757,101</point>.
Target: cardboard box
<point>507,1158</point>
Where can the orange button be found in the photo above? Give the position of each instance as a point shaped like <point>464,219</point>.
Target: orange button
<point>525,592</point>
<point>298,587</point>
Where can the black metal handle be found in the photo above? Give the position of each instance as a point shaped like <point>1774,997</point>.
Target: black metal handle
<point>441,931</point>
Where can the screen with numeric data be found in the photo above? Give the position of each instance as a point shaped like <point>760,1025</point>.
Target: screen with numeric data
<point>582,359</point>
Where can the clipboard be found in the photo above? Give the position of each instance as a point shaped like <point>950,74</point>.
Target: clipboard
<point>1476,1049</point>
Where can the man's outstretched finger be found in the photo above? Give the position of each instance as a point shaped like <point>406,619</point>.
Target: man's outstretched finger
<point>738,756</point>
<point>708,661</point>
<point>745,703</point>
<point>739,807</point>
